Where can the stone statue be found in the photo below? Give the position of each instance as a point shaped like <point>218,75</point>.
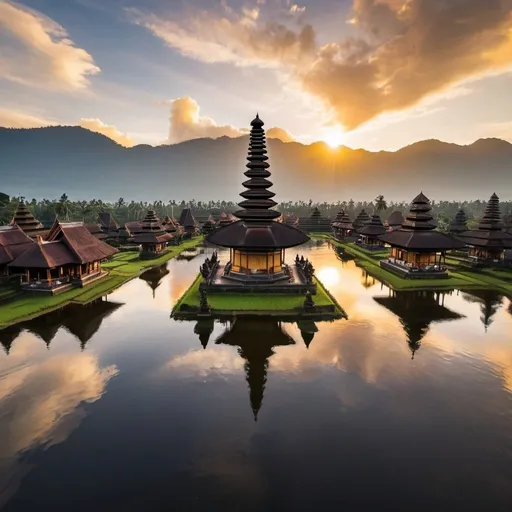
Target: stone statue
<point>308,301</point>
<point>204,307</point>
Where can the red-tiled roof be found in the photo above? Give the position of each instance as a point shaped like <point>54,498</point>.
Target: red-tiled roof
<point>45,255</point>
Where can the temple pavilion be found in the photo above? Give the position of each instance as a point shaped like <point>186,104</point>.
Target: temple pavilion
<point>343,227</point>
<point>490,240</point>
<point>315,223</point>
<point>361,219</point>
<point>369,234</point>
<point>459,223</point>
<point>13,243</point>
<point>69,257</point>
<point>24,218</point>
<point>152,237</point>
<point>188,222</point>
<point>256,242</point>
<point>417,249</point>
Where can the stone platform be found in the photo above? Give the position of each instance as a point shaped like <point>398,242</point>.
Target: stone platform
<point>295,283</point>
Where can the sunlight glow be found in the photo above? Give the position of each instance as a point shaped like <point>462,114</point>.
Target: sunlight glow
<point>334,137</point>
<point>329,276</point>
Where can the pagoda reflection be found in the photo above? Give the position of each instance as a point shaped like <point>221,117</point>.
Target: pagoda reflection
<point>154,276</point>
<point>255,340</point>
<point>490,302</point>
<point>416,311</point>
<point>83,322</point>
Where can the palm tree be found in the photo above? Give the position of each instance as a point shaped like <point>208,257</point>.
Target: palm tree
<point>63,206</point>
<point>380,204</point>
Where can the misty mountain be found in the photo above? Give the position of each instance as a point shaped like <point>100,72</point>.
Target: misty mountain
<point>45,162</point>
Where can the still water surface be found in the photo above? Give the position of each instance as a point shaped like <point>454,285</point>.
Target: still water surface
<point>407,404</point>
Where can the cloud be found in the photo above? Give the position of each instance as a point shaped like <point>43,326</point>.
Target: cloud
<point>398,53</point>
<point>186,123</point>
<point>15,119</point>
<point>37,51</point>
<point>280,133</point>
<point>95,125</point>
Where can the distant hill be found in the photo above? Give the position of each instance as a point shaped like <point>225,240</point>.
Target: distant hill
<point>45,162</point>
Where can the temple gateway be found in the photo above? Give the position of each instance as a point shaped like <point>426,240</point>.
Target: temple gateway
<point>256,242</point>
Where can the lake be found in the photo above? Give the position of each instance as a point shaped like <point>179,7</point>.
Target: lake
<point>116,406</point>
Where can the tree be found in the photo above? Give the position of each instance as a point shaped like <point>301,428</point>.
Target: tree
<point>380,204</point>
<point>63,208</point>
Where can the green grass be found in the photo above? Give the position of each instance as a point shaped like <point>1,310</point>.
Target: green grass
<point>123,267</point>
<point>264,302</point>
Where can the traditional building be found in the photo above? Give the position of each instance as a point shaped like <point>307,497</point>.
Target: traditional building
<point>395,220</point>
<point>152,237</point>
<point>225,219</point>
<point>315,223</point>
<point>343,228</point>
<point>257,244</point>
<point>13,243</point>
<point>361,219</point>
<point>417,250</point>
<point>24,218</point>
<point>459,223</point>
<point>70,257</point>
<point>291,219</point>
<point>208,225</point>
<point>96,231</point>
<point>108,225</point>
<point>371,231</point>
<point>188,222</point>
<point>487,244</point>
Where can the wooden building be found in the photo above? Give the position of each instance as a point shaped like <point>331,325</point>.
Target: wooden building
<point>417,249</point>
<point>361,219</point>
<point>315,223</point>
<point>108,225</point>
<point>257,243</point>
<point>208,225</point>
<point>152,237</point>
<point>24,218</point>
<point>343,227</point>
<point>188,222</point>
<point>70,257</point>
<point>13,243</point>
<point>488,243</point>
<point>369,234</point>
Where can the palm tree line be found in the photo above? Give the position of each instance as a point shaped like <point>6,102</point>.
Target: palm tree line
<point>87,211</point>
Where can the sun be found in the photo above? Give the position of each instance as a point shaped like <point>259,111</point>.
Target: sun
<point>334,137</point>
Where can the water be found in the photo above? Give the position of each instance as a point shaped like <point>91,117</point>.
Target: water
<point>125,409</point>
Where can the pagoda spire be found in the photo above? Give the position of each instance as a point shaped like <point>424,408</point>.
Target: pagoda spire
<point>257,204</point>
<point>491,221</point>
<point>419,217</point>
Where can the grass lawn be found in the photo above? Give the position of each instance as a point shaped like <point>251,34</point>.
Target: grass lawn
<point>123,267</point>
<point>264,302</point>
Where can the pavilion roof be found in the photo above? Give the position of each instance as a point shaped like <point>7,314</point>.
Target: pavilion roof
<point>151,230</point>
<point>374,227</point>
<point>107,221</point>
<point>459,222</point>
<point>45,255</point>
<point>24,218</point>
<point>13,243</point>
<point>187,218</point>
<point>396,218</point>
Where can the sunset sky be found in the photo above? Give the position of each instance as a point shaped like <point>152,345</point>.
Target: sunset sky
<point>377,74</point>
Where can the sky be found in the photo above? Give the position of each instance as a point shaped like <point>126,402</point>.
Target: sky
<point>373,74</point>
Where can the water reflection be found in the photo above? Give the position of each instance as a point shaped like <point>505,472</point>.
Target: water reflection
<point>154,277</point>
<point>416,311</point>
<point>490,302</point>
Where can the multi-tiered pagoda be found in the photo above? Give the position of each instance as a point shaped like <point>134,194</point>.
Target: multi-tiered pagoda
<point>370,233</point>
<point>490,240</point>
<point>26,221</point>
<point>257,243</point>
<point>459,223</point>
<point>361,219</point>
<point>152,236</point>
<point>417,249</point>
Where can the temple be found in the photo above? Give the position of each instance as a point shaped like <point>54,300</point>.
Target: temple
<point>315,223</point>
<point>343,227</point>
<point>417,250</point>
<point>256,242</point>
<point>459,223</point>
<point>487,244</point>
<point>361,219</point>
<point>27,222</point>
<point>69,257</point>
<point>188,222</point>
<point>395,220</point>
<point>369,234</point>
<point>152,237</point>
<point>13,243</point>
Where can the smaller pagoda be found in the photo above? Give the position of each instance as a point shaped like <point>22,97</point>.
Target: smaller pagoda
<point>152,237</point>
<point>417,249</point>
<point>459,223</point>
<point>188,222</point>
<point>361,219</point>
<point>208,226</point>
<point>488,243</point>
<point>369,234</point>
<point>26,221</point>
<point>343,227</point>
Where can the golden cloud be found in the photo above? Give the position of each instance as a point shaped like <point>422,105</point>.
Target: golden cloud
<point>110,131</point>
<point>38,52</point>
<point>280,133</point>
<point>15,119</point>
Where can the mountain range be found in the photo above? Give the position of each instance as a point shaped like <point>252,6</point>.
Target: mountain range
<point>46,162</point>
